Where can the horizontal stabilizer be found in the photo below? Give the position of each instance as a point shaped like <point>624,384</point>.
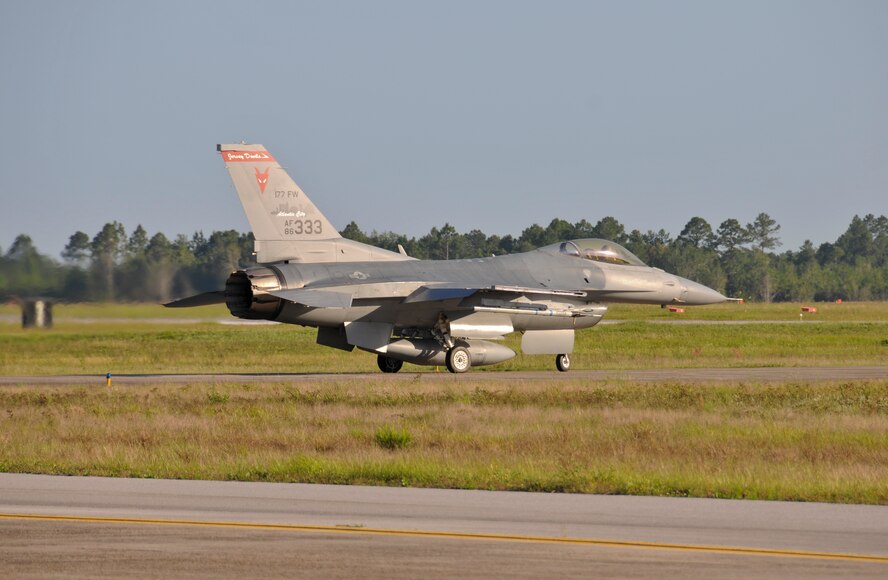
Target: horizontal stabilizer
<point>205,299</point>
<point>316,298</point>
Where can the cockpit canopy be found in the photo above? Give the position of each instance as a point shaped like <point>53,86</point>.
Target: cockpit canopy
<point>598,251</point>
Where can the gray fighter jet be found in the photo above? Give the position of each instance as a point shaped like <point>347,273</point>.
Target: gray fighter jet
<point>426,312</point>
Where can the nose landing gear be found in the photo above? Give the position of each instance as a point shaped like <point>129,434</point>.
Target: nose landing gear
<point>562,362</point>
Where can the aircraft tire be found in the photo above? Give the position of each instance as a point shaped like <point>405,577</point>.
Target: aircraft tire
<point>459,359</point>
<point>388,364</point>
<point>562,362</point>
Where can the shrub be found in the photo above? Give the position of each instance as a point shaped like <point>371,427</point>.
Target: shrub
<point>389,437</point>
<point>216,397</point>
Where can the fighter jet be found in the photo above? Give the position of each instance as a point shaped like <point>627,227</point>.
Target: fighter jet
<point>425,312</point>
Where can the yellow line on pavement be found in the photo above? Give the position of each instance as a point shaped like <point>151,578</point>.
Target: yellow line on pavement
<point>458,536</point>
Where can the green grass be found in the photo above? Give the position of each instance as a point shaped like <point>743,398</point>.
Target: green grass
<point>817,442</point>
<point>109,311</point>
<point>389,437</point>
<point>807,442</point>
<point>787,311</point>
<point>779,311</point>
<point>141,347</point>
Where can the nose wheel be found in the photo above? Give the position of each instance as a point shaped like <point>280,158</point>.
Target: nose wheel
<point>562,362</point>
<point>459,360</point>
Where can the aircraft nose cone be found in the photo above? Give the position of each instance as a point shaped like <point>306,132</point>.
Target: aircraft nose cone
<point>697,294</point>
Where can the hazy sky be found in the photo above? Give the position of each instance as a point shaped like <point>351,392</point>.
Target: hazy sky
<point>403,116</point>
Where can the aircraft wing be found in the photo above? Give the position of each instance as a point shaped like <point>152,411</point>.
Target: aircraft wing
<point>438,293</point>
<point>603,294</point>
<point>444,292</point>
<point>324,298</point>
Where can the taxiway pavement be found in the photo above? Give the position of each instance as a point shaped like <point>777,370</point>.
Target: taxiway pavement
<point>764,374</point>
<point>80,526</point>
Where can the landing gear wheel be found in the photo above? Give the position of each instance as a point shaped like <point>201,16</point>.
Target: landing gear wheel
<point>459,360</point>
<point>562,362</point>
<point>388,365</point>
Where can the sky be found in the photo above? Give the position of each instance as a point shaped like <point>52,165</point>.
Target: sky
<point>402,116</point>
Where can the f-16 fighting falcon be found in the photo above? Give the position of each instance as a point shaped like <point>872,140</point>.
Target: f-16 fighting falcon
<point>425,312</point>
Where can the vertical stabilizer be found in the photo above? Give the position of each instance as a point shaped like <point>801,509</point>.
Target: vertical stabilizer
<point>286,224</point>
<point>277,209</point>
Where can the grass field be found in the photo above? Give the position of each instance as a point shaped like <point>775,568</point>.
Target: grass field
<point>124,311</point>
<point>785,311</point>
<point>823,442</point>
<point>147,343</point>
<point>796,441</point>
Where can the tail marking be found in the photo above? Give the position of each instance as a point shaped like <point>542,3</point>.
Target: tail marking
<point>247,157</point>
<point>262,178</point>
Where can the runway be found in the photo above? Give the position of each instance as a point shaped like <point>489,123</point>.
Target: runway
<point>76,526</point>
<point>759,374</point>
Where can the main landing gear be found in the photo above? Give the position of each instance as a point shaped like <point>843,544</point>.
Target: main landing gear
<point>388,364</point>
<point>562,362</point>
<point>459,359</point>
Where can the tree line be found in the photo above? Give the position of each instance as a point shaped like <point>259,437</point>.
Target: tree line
<point>738,260</point>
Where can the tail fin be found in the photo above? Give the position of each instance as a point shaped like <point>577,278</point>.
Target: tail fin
<point>286,224</point>
<point>278,210</point>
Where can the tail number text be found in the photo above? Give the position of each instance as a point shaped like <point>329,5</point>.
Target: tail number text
<point>297,227</point>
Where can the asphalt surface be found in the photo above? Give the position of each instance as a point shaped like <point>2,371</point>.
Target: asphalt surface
<point>767,374</point>
<point>79,527</point>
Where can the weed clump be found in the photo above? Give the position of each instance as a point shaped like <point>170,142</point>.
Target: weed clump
<point>217,398</point>
<point>389,437</point>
